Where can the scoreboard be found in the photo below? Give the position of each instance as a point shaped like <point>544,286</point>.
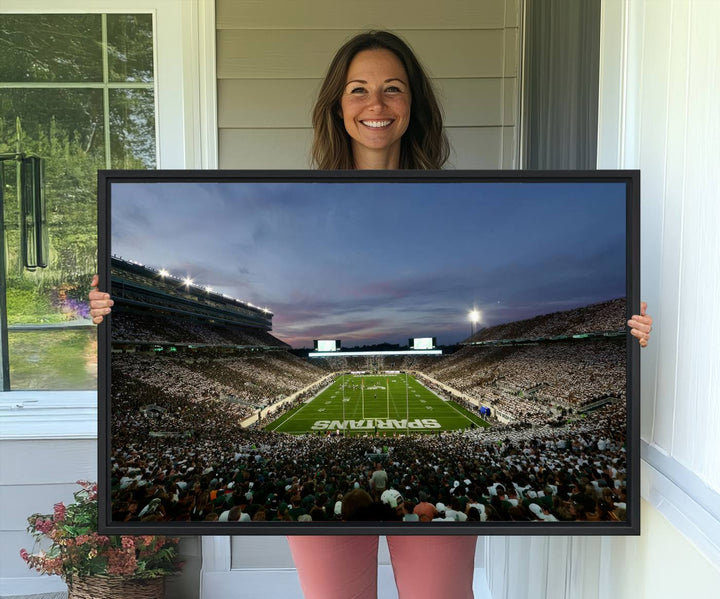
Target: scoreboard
<point>327,344</point>
<point>422,342</point>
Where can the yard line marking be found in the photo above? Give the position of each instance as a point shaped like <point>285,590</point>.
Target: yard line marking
<point>448,403</point>
<point>461,414</point>
<point>305,404</point>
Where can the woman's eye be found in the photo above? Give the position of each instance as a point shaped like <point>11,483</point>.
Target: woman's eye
<point>357,90</point>
<point>393,89</point>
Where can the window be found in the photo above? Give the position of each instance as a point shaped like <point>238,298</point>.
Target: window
<point>77,90</point>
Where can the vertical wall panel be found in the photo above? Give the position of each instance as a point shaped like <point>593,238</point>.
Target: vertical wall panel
<point>667,399</point>
<point>652,118</point>
<point>698,374</point>
<point>560,554</point>
<point>497,566</point>
<point>675,85</point>
<point>584,579</point>
<point>539,565</point>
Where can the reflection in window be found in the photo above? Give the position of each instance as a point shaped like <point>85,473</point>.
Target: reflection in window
<point>78,91</point>
<point>130,48</point>
<point>60,48</point>
<point>132,128</point>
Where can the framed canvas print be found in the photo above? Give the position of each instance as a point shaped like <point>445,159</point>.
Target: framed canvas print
<point>361,352</point>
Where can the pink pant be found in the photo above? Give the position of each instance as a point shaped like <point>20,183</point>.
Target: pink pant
<point>345,567</point>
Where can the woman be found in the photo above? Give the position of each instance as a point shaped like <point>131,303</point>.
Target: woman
<point>377,110</point>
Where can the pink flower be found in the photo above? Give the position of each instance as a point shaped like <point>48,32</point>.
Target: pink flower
<point>128,543</point>
<point>89,488</point>
<point>121,562</point>
<point>53,565</point>
<point>43,526</point>
<point>59,512</point>
<point>24,555</point>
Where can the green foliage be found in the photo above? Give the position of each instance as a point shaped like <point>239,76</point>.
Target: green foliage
<point>50,47</point>
<point>68,358</point>
<point>66,127</point>
<point>26,304</point>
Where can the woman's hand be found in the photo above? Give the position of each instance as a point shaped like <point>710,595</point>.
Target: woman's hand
<point>641,325</point>
<point>100,302</point>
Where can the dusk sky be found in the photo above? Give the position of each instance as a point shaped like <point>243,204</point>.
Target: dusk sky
<point>381,262</point>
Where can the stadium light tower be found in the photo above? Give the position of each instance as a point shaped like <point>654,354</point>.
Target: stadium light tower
<point>474,317</point>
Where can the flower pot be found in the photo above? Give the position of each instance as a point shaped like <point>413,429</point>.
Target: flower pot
<point>116,587</point>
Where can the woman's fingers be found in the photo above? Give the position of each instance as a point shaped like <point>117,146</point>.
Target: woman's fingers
<point>641,325</point>
<point>100,302</point>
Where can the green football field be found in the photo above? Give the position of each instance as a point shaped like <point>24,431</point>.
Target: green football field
<point>378,404</point>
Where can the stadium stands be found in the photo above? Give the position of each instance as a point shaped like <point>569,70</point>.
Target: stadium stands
<point>188,375</point>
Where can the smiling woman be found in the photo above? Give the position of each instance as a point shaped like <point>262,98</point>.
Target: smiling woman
<point>364,109</point>
<point>375,108</point>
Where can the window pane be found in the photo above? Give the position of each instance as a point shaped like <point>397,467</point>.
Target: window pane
<point>50,48</point>
<point>74,116</point>
<point>65,127</point>
<point>130,47</point>
<point>54,359</point>
<point>132,128</point>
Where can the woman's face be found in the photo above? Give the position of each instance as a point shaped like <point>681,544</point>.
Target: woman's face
<point>375,103</point>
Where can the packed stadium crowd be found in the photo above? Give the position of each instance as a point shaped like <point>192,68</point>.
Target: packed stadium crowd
<point>600,317</point>
<point>180,450</point>
<point>129,327</point>
<point>529,381</point>
<point>372,364</point>
<point>574,473</point>
<point>246,382</point>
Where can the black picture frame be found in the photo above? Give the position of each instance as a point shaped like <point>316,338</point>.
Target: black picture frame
<point>629,179</point>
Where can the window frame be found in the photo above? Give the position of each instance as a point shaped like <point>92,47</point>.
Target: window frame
<point>186,137</point>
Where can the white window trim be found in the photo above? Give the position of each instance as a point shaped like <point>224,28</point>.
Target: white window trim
<point>186,128</point>
<point>683,498</point>
<point>38,415</point>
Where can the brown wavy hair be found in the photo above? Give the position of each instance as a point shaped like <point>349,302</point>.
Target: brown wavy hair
<point>423,146</point>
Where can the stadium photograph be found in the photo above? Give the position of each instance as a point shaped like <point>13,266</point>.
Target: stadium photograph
<point>327,352</point>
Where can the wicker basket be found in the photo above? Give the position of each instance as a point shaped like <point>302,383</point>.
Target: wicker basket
<point>116,587</point>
